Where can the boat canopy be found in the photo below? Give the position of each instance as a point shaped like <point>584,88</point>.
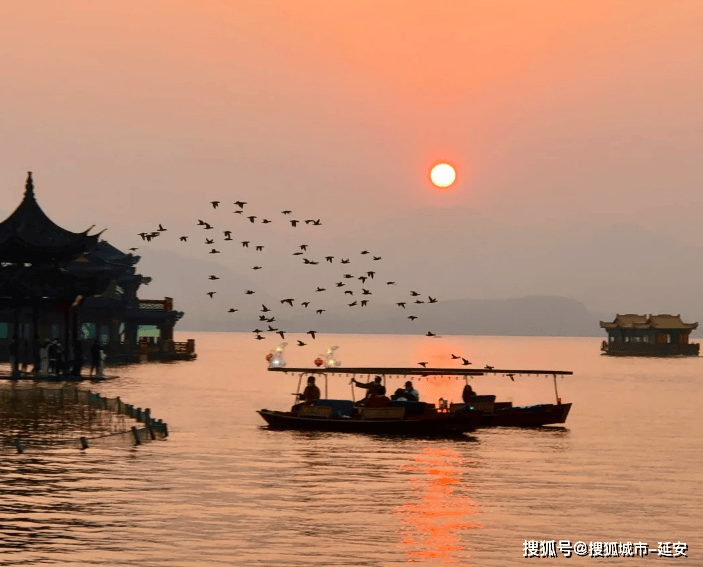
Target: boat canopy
<point>399,371</point>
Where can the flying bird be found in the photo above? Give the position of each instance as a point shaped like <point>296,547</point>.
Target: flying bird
<point>200,223</point>
<point>329,258</point>
<point>401,304</point>
<point>365,252</point>
<point>305,304</point>
<point>423,364</point>
<point>344,261</point>
<point>256,268</point>
<point>308,221</point>
<point>251,218</point>
<point>147,237</point>
<point>348,276</point>
<point>489,367</point>
<point>432,299</point>
<point>320,289</point>
<point>301,343</point>
<point>311,333</point>
<point>265,309</point>
<point>245,244</point>
<point>294,223</point>
<point>303,247</point>
<point>208,227</point>
<point>257,331</point>
<point>455,357</point>
<point>363,278</point>
<point>316,223</point>
<point>228,233</point>
<point>286,212</point>
<point>265,221</point>
<point>364,302</point>
<point>297,253</point>
<point>414,293</point>
<point>340,284</point>
<point>133,249</point>
<point>238,212</point>
<point>282,333</point>
<point>213,251</point>
<point>288,301</point>
<point>412,317</point>
<point>259,248</point>
<point>430,334</point>
<point>465,362</point>
<point>370,274</point>
<point>352,304</point>
<point>259,338</point>
<point>320,311</point>
<point>142,234</point>
<point>240,204</point>
<point>418,301</point>
<point>184,239</point>
<point>272,329</point>
<point>511,376</point>
<point>211,277</point>
<point>249,292</point>
<point>211,293</point>
<point>349,292</point>
<point>214,204</point>
<point>376,257</point>
<point>161,228</point>
<point>209,241</point>
<point>262,317</point>
<point>365,292</point>
<point>270,320</point>
<point>232,310</point>
<point>390,283</point>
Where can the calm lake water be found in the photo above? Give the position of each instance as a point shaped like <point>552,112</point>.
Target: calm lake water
<point>224,491</point>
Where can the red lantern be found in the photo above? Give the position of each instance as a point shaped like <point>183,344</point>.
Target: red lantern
<point>269,356</point>
<point>319,362</point>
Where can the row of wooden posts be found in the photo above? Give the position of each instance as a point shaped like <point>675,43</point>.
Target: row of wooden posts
<point>152,426</point>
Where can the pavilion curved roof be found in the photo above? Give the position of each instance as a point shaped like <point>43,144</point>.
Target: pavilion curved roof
<point>662,321</point>
<point>29,236</point>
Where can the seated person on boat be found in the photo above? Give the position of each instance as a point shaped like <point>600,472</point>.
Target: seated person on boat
<point>468,393</point>
<point>374,389</point>
<point>311,392</point>
<point>407,394</point>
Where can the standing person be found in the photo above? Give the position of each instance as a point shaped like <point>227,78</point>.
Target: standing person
<point>77,358</point>
<point>95,357</point>
<point>375,388</point>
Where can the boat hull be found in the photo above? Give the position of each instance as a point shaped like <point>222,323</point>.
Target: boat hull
<point>443,424</point>
<point>530,416</point>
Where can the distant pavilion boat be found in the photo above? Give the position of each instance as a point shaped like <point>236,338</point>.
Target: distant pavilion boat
<point>649,335</point>
<point>388,416</point>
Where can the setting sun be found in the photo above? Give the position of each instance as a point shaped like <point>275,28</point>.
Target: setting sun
<point>442,175</point>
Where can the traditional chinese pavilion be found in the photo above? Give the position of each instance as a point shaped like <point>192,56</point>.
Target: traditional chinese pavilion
<point>58,284</point>
<point>649,335</point>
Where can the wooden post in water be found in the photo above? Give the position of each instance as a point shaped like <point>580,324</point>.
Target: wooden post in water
<point>137,440</point>
<point>84,443</point>
<point>18,444</point>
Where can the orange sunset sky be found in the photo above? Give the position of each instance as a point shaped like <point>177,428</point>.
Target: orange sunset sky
<point>558,115</point>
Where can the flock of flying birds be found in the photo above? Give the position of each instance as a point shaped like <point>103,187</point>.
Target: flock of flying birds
<point>267,314</point>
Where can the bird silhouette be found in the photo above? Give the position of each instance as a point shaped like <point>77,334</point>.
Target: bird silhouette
<point>306,261</point>
<point>412,317</point>
<point>316,223</point>
<point>314,263</point>
<point>376,257</point>
<point>311,333</point>
<point>257,331</point>
<point>282,333</point>
<point>214,204</point>
<point>309,221</point>
<point>232,310</point>
<point>320,311</point>
<point>262,317</point>
<point>414,293</point>
<point>161,228</point>
<point>240,204</point>
<point>511,376</point>
<point>465,362</point>
<point>208,227</point>
<point>303,247</point>
<point>349,292</point>
<point>211,277</point>
<point>154,234</point>
<point>390,283</point>
<point>365,292</point>
<point>301,343</point>
<point>340,284</point>
<point>142,234</point>
<point>432,299</point>
<point>418,301</point>
<point>272,329</point>
<point>184,239</point>
<point>365,252</point>
<point>455,357</point>
<point>364,302</point>
<point>288,301</point>
<point>213,251</point>
<point>200,223</point>
<point>245,244</point>
<point>489,367</point>
<point>259,338</point>
<point>363,279</point>
<point>147,237</point>
<point>251,218</point>
<point>329,258</point>
<point>265,309</point>
<point>348,276</point>
<point>294,223</point>
<point>344,261</point>
<point>238,212</point>
<point>228,233</point>
<point>259,248</point>
<point>430,334</point>
<point>423,364</point>
<point>265,221</point>
<point>305,304</point>
<point>352,304</point>
<point>209,241</point>
<point>134,249</point>
<point>249,292</point>
<point>370,274</point>
<point>270,319</point>
<point>297,253</point>
<point>320,289</point>
<point>286,212</point>
<point>228,238</point>
<point>401,304</point>
<point>211,293</point>
<point>256,268</point>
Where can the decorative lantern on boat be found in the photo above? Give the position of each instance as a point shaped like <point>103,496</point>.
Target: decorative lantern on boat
<point>269,356</point>
<point>319,361</point>
<point>277,357</point>
<point>330,360</point>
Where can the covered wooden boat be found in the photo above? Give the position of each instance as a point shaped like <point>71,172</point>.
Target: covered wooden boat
<point>503,414</point>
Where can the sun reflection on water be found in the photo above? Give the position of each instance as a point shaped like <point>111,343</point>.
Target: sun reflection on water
<point>431,529</point>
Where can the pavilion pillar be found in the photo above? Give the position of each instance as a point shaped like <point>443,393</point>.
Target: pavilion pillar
<point>16,342</point>
<point>35,341</point>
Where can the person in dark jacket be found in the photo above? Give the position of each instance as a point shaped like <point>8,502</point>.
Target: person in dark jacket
<point>468,394</point>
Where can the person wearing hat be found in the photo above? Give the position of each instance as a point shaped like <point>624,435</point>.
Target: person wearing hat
<point>410,393</point>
